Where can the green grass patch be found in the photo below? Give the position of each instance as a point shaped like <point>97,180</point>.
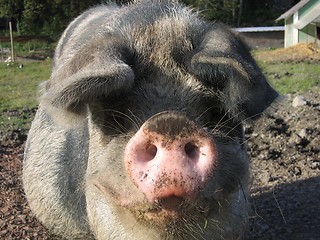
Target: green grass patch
<point>292,77</point>
<point>18,86</point>
<point>16,119</point>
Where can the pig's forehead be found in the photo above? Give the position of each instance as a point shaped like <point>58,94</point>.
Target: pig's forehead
<point>155,95</point>
<point>177,84</point>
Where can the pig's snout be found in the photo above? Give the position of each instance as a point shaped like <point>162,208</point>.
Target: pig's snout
<point>170,157</point>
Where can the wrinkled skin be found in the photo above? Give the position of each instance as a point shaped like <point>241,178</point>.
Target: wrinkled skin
<point>139,129</point>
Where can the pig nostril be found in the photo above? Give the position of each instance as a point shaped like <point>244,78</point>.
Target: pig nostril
<point>151,151</point>
<point>191,150</point>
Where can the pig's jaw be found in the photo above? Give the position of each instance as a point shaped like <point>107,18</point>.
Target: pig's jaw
<point>168,210</point>
<point>170,218</point>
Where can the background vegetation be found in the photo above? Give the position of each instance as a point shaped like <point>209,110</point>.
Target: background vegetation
<point>50,17</point>
<point>288,77</point>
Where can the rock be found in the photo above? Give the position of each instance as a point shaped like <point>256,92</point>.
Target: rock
<point>264,176</point>
<point>303,133</point>
<point>315,165</point>
<point>299,101</point>
<point>294,139</point>
<point>276,76</point>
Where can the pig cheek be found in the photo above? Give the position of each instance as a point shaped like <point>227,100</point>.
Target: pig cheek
<point>105,173</point>
<point>120,196</point>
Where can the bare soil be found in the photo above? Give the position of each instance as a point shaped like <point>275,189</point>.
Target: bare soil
<point>297,53</point>
<point>284,147</point>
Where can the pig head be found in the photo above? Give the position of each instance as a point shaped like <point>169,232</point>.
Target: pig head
<point>139,129</point>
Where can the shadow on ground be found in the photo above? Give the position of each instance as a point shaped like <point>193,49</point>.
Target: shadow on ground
<point>287,211</point>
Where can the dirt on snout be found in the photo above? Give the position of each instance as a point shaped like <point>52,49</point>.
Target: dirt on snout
<point>284,148</point>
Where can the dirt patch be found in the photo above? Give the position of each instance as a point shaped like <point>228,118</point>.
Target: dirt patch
<point>284,149</point>
<point>16,219</point>
<point>298,53</point>
<point>285,159</point>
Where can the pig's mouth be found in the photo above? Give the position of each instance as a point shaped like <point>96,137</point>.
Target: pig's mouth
<point>172,203</point>
<point>171,210</point>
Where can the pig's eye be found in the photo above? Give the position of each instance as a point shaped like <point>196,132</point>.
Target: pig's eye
<point>111,116</point>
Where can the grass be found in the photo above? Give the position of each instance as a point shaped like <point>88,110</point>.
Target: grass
<point>18,89</point>
<point>15,119</point>
<point>18,86</point>
<point>289,77</point>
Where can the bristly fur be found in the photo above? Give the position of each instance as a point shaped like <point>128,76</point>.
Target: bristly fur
<point>114,68</point>
<point>149,34</point>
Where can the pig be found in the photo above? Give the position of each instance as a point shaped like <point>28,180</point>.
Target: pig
<point>139,131</point>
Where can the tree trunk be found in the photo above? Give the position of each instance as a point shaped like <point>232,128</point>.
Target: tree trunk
<point>240,13</point>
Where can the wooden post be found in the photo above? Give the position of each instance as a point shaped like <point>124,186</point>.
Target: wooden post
<point>11,39</point>
<point>1,49</point>
<point>316,37</point>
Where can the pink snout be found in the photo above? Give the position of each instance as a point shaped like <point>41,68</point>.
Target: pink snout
<point>166,163</point>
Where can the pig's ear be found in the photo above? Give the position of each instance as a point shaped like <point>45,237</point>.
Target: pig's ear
<point>99,68</point>
<point>224,64</point>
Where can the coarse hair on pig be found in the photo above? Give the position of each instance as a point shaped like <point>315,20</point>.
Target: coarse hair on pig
<point>139,129</point>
